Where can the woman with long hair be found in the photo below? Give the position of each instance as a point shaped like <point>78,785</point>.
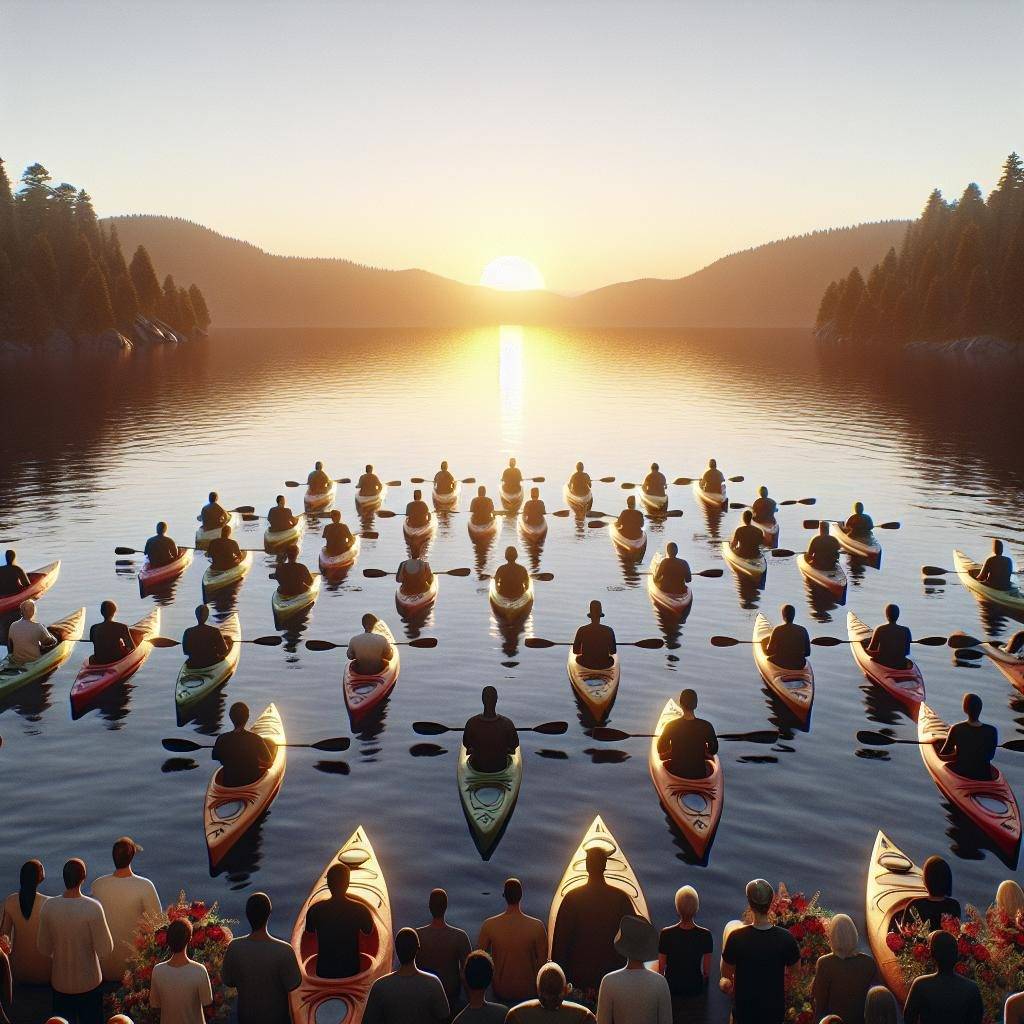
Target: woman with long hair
<point>19,921</point>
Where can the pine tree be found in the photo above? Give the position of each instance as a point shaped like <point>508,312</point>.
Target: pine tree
<point>32,202</point>
<point>187,320</point>
<point>7,239</point>
<point>934,320</point>
<point>80,263</point>
<point>976,313</point>
<point>1010,302</point>
<point>169,311</point>
<point>826,311</point>
<point>31,317</point>
<point>113,256</point>
<point>853,292</point>
<point>125,302</point>
<point>6,290</point>
<point>865,320</point>
<point>147,287</point>
<point>200,307</point>
<point>42,265</point>
<point>94,313</point>
<point>86,221</point>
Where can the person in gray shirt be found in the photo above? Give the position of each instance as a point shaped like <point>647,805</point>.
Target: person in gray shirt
<point>479,973</point>
<point>409,995</point>
<point>262,968</point>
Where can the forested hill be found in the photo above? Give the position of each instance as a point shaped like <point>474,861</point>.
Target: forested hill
<point>778,284</point>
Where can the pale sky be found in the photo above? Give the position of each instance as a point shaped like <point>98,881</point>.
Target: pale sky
<point>603,141</point>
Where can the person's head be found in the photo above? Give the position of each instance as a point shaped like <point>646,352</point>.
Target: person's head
<point>1010,898</point>
<point>759,896</point>
<point>712,464</point>
<point>748,517</point>
<point>842,936</point>
<point>880,1006</point>
<point>29,879</point>
<point>369,468</point>
<point>687,903</point>
<point>788,613</point>
<point>511,463</point>
<point>257,910</point>
<point>407,945</point>
<point>108,610</point>
<point>338,876</point>
<point>57,1020</point>
<point>637,939</point>
<point>943,949</point>
<point>120,1018</point>
<point>511,554</point>
<point>535,493</point>
<point>481,491</point>
<point>892,612</point>
<point>179,934</point>
<point>318,466</point>
<point>28,609</point>
<point>512,892</point>
<point>225,531</point>
<point>654,467</point>
<point>161,529</point>
<point>213,496</point>
<point>279,501</point>
<point>478,971</point>
<point>293,553</point>
<point>832,1018</point>
<point>202,613</point>
<point>489,696</point>
<point>438,903</point>
<point>997,547</point>
<point>671,549</point>
<point>972,706</point>
<point>631,501</point>
<point>579,467</point>
<point>938,878</point>
<point>444,467</point>
<point>596,611</point>
<point>335,516</point>
<point>597,860</point>
<point>74,873</point>
<point>239,714</point>
<point>762,492</point>
<point>417,495</point>
<point>9,556</point>
<point>369,620</point>
<point>688,699</point>
<point>123,852</point>
<point>552,987</point>
<point>823,529</point>
<point>858,507</point>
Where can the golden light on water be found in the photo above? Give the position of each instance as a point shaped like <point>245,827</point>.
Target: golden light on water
<point>512,274</point>
<point>510,383</point>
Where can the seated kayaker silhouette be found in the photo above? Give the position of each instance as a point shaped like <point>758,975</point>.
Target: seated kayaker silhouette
<point>204,645</point>
<point>511,579</point>
<point>337,923</point>
<point>111,640</point>
<point>444,482</point>
<point>414,576</point>
<point>579,482</point>
<point>293,578</point>
<point>890,642</point>
<point>512,478</point>
<point>713,479</point>
<point>939,903</point>
<point>489,738</point>
<point>244,755</point>
<point>337,536</point>
<point>631,520</point>
<point>160,549</point>
<point>369,651</point>
<point>860,524</point>
<point>13,579</point>
<point>997,572</point>
<point>369,483</point>
<point>971,744</point>
<point>823,550</point>
<point>534,510</point>
<point>673,573</point>
<point>655,482</point>
<point>747,539</point>
<point>28,639</point>
<point>318,481</point>
<point>594,644</point>
<point>789,645</point>
<point>417,512</point>
<point>687,742</point>
<point>764,507</point>
<point>481,509</point>
<point>213,514</point>
<point>1015,645</point>
<point>224,550</point>
<point>281,516</point>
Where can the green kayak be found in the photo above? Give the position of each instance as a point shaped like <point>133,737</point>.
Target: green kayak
<point>488,797</point>
<point>13,677</point>
<point>215,579</point>
<point>195,684</point>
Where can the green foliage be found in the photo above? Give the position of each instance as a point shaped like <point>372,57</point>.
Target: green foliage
<point>94,312</point>
<point>147,287</point>
<point>199,306</point>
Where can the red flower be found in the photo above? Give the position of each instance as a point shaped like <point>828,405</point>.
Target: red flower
<point>215,933</point>
<point>981,953</point>
<point>797,931</point>
<point>800,903</point>
<point>895,942</point>
<point>161,937</point>
<point>198,936</point>
<point>920,951</point>
<point>972,928</point>
<point>950,924</point>
<point>1018,939</point>
<point>806,952</point>
<point>804,1018</point>
<point>141,941</point>
<point>198,910</point>
<point>987,976</point>
<point>961,968</point>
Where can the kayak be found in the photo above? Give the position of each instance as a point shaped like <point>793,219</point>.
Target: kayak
<point>417,534</point>
<point>446,502</point>
<point>488,797</point>
<point>288,607</point>
<point>905,684</point>
<point>632,546</point>
<point>653,502</point>
<point>13,677</point>
<point>371,502</point>
<point>511,499</point>
<point>275,540</point>
<point>832,580</point>
<point>335,1000</point>
<point>1011,665</point>
<point>990,805</point>
<point>410,604</point>
<point>595,687</point>
<point>230,811</point>
<point>203,537</point>
<point>966,570</point>
<point>695,805</point>
<point>483,531</point>
<point>579,503</point>
<point>793,686</point>
<point>338,563</point>
<point>770,531</point>
<point>363,693</point>
<point>195,684</point>
<point>717,500</point>
<point>746,568</point>
<point>39,582</point>
<point>92,681</point>
<point>511,607</point>
<point>154,575</point>
<point>675,604</point>
<point>618,872</point>
<point>221,579</point>
<point>894,881</point>
<point>317,501</point>
<point>533,531</point>
<point>862,547</point>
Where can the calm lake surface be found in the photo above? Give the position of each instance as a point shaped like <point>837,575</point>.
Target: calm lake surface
<point>94,454</point>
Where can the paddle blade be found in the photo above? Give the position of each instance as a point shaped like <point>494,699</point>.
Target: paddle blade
<point>417,480</point>
<point>807,501</point>
<point>343,480</point>
<point>126,551</point>
<point>429,728</point>
<point>888,526</point>
<point>712,574</point>
<point>424,642</point>
<point>179,746</point>
<point>1017,745</point>
<point>386,513</point>
<point>626,486</point>
<point>765,736</point>
<point>812,524</point>
<point>874,739</point>
<point>537,479</point>
<point>393,483</point>
<point>292,483</point>
<point>828,641</point>
<point>463,571</point>
<point>538,643</point>
<point>164,641</point>
<point>608,735</point>
<point>932,641</point>
<point>607,480</point>
<point>672,513</point>
<point>335,743</point>
<point>562,513</point>
<point>469,480</point>
<point>596,524</point>
<point>267,641</point>
<point>934,570</point>
<point>724,641</point>
<point>782,553</point>
<point>968,654</point>
<point>736,479</point>
<point>250,517</point>
<point>958,641</point>
<point>739,504</point>
<point>245,509</point>
<point>544,577</point>
<point>679,480</point>
<point>376,574</point>
<point>552,728</point>
<point>652,643</point>
<point>320,645</point>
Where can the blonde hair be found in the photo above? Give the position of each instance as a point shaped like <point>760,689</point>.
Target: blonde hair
<point>880,1006</point>
<point>687,902</point>
<point>842,936</point>
<point>1010,897</point>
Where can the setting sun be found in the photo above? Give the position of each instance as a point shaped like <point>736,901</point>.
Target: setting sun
<point>511,274</point>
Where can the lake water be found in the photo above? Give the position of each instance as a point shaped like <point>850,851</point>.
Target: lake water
<point>94,454</point>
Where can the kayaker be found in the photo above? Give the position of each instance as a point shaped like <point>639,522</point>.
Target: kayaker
<point>594,644</point>
<point>28,639</point>
<point>160,549</point>
<point>860,524</point>
<point>534,510</point>
<point>747,539</point>
<point>293,578</point>
<point>890,642</point>
<point>490,739</point>
<point>688,741</point>
<point>443,947</point>
<point>551,1003</point>
<point>213,514</point>
<point>511,579</point>
<point>414,576</point>
<point>823,550</point>
<point>13,579</point>
<point>939,903</point>
<point>318,481</point>
<point>337,536</point>
<point>512,478</point>
<point>944,997</point>
<point>580,482</point>
<point>518,943</point>
<point>204,645</point>
<point>444,482</point>
<point>111,640</point>
<point>281,516</point>
<point>369,483</point>
<point>337,923</point>
<point>789,645</point>
<point>971,745</point>
<point>481,509</point>
<point>245,755</point>
<point>631,520</point>
<point>587,923</point>
<point>713,480</point>
<point>1015,645</point>
<point>673,573</point>
<point>655,483</point>
<point>417,512</point>
<point>370,651</point>
<point>764,508</point>
<point>224,550</point>
<point>997,572</point>
<point>407,995</point>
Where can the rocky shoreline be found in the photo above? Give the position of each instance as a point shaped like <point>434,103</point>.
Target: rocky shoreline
<point>145,332</point>
<point>981,349</point>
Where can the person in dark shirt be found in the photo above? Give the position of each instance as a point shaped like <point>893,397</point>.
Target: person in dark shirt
<point>369,483</point>
<point>13,579</point>
<point>655,483</point>
<point>443,948</point>
<point>481,508</point>
<point>688,741</point>
<point>245,755</point>
<point>417,512</point>
<point>764,508</point>
<point>337,536</point>
<point>224,551</point>
<point>161,550</point>
<point>971,745</point>
<point>944,997</point>
<point>939,903</point>
<point>673,574</point>
<point>747,539</point>
<point>111,640</point>
<point>414,576</point>
<point>631,520</point>
<point>684,954</point>
<point>997,572</point>
<point>594,643</point>
<point>512,478</point>
<point>789,645</point>
<point>580,483</point>
<point>860,524</point>
<point>293,578</point>
<point>490,738</point>
<point>823,550</point>
<point>281,516</point>
<point>444,482</point>
<point>713,480</point>
<point>890,642</point>
<point>337,923</point>
<point>534,510</point>
<point>203,644</point>
<point>754,962</point>
<point>318,481</point>
<point>213,514</point>
<point>511,579</point>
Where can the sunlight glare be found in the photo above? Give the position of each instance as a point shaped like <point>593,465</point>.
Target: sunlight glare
<point>512,274</point>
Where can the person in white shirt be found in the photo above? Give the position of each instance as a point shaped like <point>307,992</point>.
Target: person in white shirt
<point>633,994</point>
<point>180,987</point>
<point>28,639</point>
<point>73,932</point>
<point>127,900</point>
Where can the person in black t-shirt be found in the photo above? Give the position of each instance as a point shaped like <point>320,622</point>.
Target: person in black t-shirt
<point>224,551</point>
<point>944,997</point>
<point>245,755</point>
<point>938,880</point>
<point>970,745</point>
<point>111,640</point>
<point>203,644</point>
<point>161,549</point>
<point>684,955</point>
<point>337,923</point>
<point>688,741</point>
<point>747,539</point>
<point>13,579</point>
<point>337,536</point>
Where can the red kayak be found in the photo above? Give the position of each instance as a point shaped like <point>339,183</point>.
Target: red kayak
<point>154,575</point>
<point>94,680</point>
<point>364,693</point>
<point>39,582</point>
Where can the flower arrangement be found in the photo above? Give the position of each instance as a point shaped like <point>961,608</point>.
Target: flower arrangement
<point>210,938</point>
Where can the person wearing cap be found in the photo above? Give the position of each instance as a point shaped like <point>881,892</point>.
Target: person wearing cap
<point>551,1005</point>
<point>655,483</point>
<point>161,549</point>
<point>128,901</point>
<point>111,640</point>
<point>28,639</point>
<point>519,945</point>
<point>13,579</point>
<point>204,645</point>
<point>633,994</point>
<point>585,929</point>
<point>443,948</point>
<point>479,974</point>
<point>594,643</point>
<point>408,995</point>
<point>293,578</point>
<point>754,961</point>
<point>511,579</point>
<point>688,741</point>
<point>490,738</point>
<point>944,997</point>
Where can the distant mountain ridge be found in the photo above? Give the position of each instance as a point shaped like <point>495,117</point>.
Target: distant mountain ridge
<point>778,284</point>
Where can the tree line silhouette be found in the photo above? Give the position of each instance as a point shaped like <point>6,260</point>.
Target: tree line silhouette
<point>60,269</point>
<point>959,274</point>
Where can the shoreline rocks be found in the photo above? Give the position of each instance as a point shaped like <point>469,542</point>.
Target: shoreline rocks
<point>145,332</point>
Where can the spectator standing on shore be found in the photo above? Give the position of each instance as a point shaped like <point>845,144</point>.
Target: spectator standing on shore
<point>479,973</point>
<point>550,1006</point>
<point>408,995</point>
<point>633,994</point>
<point>180,987</point>
<point>19,922</point>
<point>843,977</point>
<point>684,956</point>
<point>944,997</point>
<point>519,945</point>
<point>443,948</point>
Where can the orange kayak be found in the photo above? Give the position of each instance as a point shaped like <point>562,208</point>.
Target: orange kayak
<point>364,692</point>
<point>674,604</point>
<point>92,680</point>
<point>1011,665</point>
<point>904,684</point>
<point>793,686</point>
<point>39,582</point>
<point>595,687</point>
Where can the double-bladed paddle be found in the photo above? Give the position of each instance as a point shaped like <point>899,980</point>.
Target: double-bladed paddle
<point>423,643</point>
<point>376,574</point>
<point>334,744</point>
<point>262,641</point>
<point>825,641</point>
<point>711,574</point>
<point>436,728</point>
<point>960,641</point>
<point>788,501</point>
<point>813,524</point>
<point>881,739</point>
<point>542,577</point>
<point>691,479</point>
<point>599,519</point>
<point>609,735</point>
<point>337,480</point>
<point>420,480</point>
<point>539,643</point>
